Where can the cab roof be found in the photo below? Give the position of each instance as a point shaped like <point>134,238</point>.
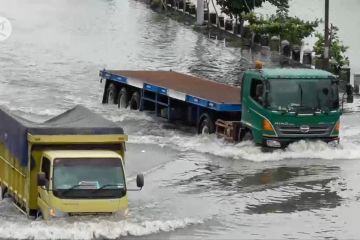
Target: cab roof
<point>53,154</point>
<point>295,73</point>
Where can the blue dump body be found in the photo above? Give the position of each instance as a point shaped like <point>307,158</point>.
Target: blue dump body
<point>77,121</point>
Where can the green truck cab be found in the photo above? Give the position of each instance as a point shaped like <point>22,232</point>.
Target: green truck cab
<point>72,164</point>
<point>281,106</point>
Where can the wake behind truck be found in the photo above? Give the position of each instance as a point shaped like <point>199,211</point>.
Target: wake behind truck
<point>273,107</point>
<point>72,164</point>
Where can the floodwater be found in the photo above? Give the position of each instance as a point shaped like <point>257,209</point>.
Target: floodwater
<point>195,186</point>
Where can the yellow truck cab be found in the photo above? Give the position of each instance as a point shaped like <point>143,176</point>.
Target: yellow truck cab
<point>72,164</point>
<point>74,182</point>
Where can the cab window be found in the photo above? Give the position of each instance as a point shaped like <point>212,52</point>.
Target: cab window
<point>257,90</point>
<point>45,168</point>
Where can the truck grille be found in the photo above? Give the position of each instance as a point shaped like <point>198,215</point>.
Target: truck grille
<point>304,130</point>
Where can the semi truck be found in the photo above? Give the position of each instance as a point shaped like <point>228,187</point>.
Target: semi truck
<point>272,107</point>
<point>72,164</point>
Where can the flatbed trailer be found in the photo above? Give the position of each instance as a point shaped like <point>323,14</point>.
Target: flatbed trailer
<point>174,96</point>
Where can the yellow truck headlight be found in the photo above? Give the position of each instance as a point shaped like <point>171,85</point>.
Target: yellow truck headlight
<point>57,213</point>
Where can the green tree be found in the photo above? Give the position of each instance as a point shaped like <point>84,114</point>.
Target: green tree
<point>337,48</point>
<point>288,28</point>
<point>234,8</point>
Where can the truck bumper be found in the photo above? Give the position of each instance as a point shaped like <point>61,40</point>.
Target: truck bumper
<point>284,142</point>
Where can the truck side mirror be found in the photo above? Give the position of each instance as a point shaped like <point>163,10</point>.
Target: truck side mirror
<point>349,92</point>
<point>41,179</point>
<point>140,180</point>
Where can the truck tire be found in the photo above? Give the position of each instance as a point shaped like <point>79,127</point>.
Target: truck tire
<point>135,101</point>
<point>111,94</point>
<point>3,191</point>
<point>123,98</point>
<point>207,125</point>
<point>247,136</point>
<point>39,215</point>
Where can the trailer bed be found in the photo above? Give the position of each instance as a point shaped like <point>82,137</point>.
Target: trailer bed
<point>187,88</point>
<point>183,83</point>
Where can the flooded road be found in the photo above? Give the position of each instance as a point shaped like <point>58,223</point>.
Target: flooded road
<point>195,186</point>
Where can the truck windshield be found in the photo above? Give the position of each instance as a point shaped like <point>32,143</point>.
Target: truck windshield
<point>303,95</point>
<point>88,178</point>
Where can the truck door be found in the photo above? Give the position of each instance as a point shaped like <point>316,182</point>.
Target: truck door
<point>253,100</point>
<point>43,198</point>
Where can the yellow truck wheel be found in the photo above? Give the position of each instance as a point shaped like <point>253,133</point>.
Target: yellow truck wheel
<point>1,193</point>
<point>39,215</point>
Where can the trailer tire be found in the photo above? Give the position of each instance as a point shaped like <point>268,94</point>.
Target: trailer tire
<point>247,136</point>
<point>111,94</point>
<point>135,101</point>
<point>123,98</point>
<point>207,125</point>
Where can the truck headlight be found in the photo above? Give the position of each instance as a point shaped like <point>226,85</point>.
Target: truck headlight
<point>57,213</point>
<point>273,143</point>
<point>334,142</point>
<point>122,213</point>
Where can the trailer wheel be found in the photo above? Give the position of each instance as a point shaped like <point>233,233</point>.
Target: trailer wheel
<point>135,101</point>
<point>247,136</point>
<point>111,94</point>
<point>206,125</point>
<point>123,98</point>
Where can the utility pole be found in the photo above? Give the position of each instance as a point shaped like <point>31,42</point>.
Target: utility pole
<point>200,12</point>
<point>327,43</point>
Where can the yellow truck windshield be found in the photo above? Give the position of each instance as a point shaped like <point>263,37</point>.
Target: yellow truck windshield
<point>88,178</point>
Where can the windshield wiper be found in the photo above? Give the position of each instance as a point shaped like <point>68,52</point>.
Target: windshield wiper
<point>109,185</point>
<point>72,188</point>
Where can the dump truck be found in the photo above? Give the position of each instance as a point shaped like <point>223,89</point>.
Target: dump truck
<point>272,107</point>
<point>72,164</point>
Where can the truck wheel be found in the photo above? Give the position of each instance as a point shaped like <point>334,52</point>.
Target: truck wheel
<point>247,136</point>
<point>39,215</point>
<point>207,125</point>
<point>123,98</point>
<point>111,94</point>
<point>135,101</point>
<point>3,191</point>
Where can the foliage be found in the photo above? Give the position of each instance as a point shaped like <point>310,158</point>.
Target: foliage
<point>292,29</point>
<point>234,8</point>
<point>337,49</point>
